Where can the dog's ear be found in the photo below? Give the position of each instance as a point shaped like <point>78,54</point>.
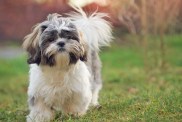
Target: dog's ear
<point>83,56</point>
<point>84,47</point>
<point>31,44</point>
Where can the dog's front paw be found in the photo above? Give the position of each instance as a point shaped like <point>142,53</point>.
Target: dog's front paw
<point>98,107</point>
<point>76,115</point>
<point>43,116</point>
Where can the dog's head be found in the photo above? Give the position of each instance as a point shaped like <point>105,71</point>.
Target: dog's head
<point>55,41</point>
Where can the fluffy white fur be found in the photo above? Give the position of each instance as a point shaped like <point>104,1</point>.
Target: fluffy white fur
<point>68,87</point>
<point>67,90</point>
<point>97,31</point>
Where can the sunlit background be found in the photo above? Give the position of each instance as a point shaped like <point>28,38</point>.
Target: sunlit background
<point>142,69</point>
<point>128,15</point>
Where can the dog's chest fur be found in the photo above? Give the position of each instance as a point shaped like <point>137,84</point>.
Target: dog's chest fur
<point>56,90</point>
<point>57,87</point>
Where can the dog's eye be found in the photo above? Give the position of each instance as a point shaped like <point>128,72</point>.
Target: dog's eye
<point>51,39</point>
<point>65,31</point>
<point>73,37</point>
<point>69,35</point>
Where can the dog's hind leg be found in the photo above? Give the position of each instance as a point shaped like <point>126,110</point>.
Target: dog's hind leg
<point>95,95</point>
<point>96,78</point>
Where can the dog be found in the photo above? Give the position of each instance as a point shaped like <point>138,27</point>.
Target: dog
<point>65,68</point>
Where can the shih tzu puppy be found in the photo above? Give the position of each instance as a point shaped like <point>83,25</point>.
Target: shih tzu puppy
<point>65,69</point>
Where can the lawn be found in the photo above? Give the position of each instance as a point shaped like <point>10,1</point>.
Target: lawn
<point>128,94</point>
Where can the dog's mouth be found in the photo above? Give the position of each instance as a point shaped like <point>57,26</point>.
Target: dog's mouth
<point>61,49</point>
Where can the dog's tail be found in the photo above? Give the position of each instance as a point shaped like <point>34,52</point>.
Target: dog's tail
<point>96,31</point>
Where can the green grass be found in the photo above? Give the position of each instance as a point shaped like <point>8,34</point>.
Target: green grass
<point>128,94</point>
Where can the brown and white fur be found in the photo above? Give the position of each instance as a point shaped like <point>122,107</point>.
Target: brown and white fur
<point>65,69</point>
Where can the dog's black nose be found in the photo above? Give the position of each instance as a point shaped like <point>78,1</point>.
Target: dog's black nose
<point>61,44</point>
